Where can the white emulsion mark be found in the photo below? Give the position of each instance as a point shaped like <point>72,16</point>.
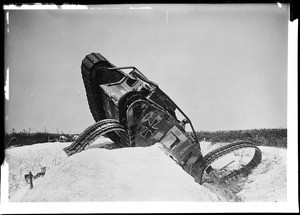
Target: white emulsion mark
<point>279,4</point>
<point>6,87</point>
<point>7,21</point>
<point>7,17</point>
<point>4,182</point>
<point>73,7</point>
<point>35,6</point>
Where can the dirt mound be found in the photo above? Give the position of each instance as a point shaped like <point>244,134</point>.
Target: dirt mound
<point>128,174</point>
<point>133,174</point>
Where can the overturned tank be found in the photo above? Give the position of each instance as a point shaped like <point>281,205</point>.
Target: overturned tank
<point>133,111</point>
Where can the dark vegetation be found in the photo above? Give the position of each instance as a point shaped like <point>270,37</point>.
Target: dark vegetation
<point>261,137</point>
<point>28,138</point>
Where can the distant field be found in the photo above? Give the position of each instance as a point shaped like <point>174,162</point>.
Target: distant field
<point>27,138</point>
<point>261,137</point>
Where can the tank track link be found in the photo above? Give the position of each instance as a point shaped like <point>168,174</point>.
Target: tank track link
<point>216,154</point>
<point>93,132</point>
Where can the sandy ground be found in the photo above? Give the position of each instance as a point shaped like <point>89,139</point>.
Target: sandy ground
<point>133,174</point>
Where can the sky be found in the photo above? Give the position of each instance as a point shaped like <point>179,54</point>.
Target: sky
<point>224,65</point>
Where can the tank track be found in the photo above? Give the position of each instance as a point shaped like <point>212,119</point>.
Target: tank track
<point>216,154</point>
<point>92,91</point>
<point>93,132</point>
